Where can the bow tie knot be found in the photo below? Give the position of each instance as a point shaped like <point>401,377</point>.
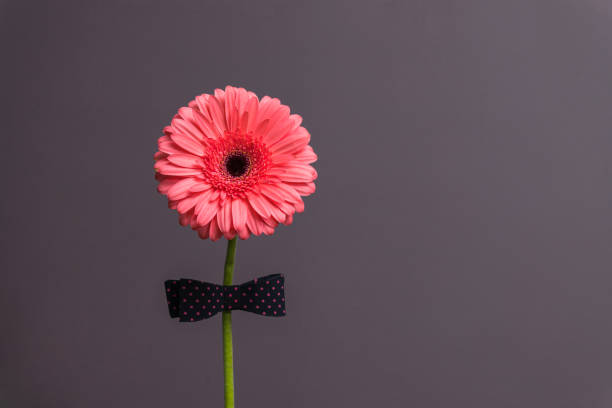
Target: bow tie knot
<point>191,300</point>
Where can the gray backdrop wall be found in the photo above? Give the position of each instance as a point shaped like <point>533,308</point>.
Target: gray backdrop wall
<point>456,252</point>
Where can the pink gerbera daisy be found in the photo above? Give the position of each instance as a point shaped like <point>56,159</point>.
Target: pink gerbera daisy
<point>232,164</point>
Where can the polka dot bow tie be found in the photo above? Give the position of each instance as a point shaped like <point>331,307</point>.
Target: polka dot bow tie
<point>191,300</point>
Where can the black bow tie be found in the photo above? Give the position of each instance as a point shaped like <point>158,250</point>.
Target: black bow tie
<point>191,300</point>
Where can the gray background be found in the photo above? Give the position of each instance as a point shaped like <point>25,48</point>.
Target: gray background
<point>456,252</point>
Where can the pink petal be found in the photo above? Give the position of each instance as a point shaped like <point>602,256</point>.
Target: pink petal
<point>181,187</point>
<point>279,126</point>
<point>262,127</point>
<point>231,113</point>
<point>206,211</point>
<point>243,233</point>
<point>214,108</point>
<point>231,234</point>
<point>202,103</point>
<point>268,230</point>
<point>306,155</point>
<point>293,142</point>
<point>287,208</point>
<point>254,222</point>
<point>289,193</point>
<point>186,112</point>
<point>199,187</point>
<point>188,143</point>
<point>304,188</point>
<point>274,211</point>
<point>164,167</point>
<point>299,207</point>
<point>278,215</point>
<point>188,203</point>
<point>252,109</point>
<point>224,216</point>
<point>239,214</point>
<point>186,160</point>
<point>185,219</point>
<point>299,172</point>
<point>203,232</point>
<point>167,183</point>
<point>267,108</point>
<point>272,193</point>
<point>166,145</point>
<point>208,128</point>
<point>242,98</point>
<point>214,231</point>
<point>186,128</point>
<point>258,204</point>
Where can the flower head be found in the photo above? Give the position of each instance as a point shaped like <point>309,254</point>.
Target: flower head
<point>232,164</point>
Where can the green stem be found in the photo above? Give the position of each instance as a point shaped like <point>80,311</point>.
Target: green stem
<point>228,352</point>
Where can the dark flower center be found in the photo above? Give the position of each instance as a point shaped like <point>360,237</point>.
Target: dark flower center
<point>237,164</point>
